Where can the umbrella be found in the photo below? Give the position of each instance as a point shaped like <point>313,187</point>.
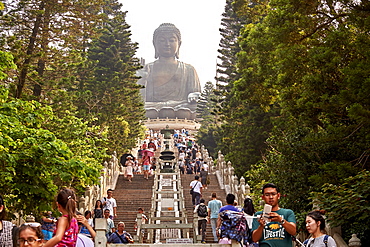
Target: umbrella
<point>124,158</point>
<point>147,152</point>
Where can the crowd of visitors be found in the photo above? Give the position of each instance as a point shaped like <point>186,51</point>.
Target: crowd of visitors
<point>145,162</point>
<point>69,230</point>
<point>276,228</point>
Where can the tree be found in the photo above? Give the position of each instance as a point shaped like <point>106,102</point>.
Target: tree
<point>351,198</point>
<point>244,124</point>
<point>34,163</point>
<point>227,72</point>
<point>40,34</point>
<point>207,133</point>
<point>50,42</point>
<point>110,96</point>
<point>205,105</point>
<point>45,142</point>
<point>305,61</point>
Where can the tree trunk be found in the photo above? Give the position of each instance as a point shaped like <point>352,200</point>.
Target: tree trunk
<point>30,49</point>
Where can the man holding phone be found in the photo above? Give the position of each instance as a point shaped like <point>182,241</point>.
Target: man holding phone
<point>276,228</point>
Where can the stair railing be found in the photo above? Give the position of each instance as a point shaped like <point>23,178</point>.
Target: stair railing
<point>178,221</point>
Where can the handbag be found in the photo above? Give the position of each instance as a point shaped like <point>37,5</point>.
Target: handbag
<point>192,189</point>
<point>208,180</point>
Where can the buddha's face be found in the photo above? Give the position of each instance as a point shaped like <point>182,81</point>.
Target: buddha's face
<point>167,44</point>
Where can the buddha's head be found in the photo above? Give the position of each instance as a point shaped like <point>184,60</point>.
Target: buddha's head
<point>167,41</point>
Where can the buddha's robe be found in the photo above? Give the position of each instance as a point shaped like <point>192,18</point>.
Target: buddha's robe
<point>175,91</point>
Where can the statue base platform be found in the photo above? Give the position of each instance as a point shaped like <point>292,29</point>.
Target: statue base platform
<point>172,123</point>
<point>170,112</point>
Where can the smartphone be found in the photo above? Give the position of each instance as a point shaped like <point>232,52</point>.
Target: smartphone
<point>266,211</point>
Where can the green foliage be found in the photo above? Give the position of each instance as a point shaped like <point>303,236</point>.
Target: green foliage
<point>6,63</point>
<point>347,204</point>
<point>34,162</point>
<point>71,71</point>
<point>297,114</point>
<point>43,36</point>
<point>207,136</point>
<point>109,96</point>
<point>244,136</point>
<point>208,132</point>
<point>79,60</point>
<point>243,125</point>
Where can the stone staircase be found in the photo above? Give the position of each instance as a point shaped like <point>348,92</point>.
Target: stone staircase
<point>130,196</point>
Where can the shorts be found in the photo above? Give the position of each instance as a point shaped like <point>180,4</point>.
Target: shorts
<point>146,167</point>
<point>47,234</point>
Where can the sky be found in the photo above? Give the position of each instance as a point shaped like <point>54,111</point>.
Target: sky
<point>198,21</point>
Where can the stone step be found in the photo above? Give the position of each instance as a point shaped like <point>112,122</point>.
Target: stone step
<point>130,196</point>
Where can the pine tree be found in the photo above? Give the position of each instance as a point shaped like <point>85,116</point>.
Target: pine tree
<point>245,125</point>
<point>229,47</point>
<point>207,133</point>
<point>110,96</point>
<point>45,37</point>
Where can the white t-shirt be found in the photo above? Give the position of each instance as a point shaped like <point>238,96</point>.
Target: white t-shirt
<point>198,155</point>
<point>319,242</point>
<point>143,219</point>
<point>84,241</point>
<point>205,166</point>
<point>110,204</point>
<point>182,155</point>
<point>196,185</point>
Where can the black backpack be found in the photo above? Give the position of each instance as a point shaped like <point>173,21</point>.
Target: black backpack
<point>202,211</point>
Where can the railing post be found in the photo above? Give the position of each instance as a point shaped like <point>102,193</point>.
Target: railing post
<point>100,228</point>
<point>196,233</point>
<point>354,241</point>
<point>139,234</point>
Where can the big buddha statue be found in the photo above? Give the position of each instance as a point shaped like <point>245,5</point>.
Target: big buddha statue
<point>171,87</point>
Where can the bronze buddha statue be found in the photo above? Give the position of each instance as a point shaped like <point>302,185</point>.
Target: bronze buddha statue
<point>169,83</point>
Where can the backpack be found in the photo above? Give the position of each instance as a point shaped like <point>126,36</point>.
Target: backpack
<point>202,211</point>
<point>234,226</point>
<point>325,241</point>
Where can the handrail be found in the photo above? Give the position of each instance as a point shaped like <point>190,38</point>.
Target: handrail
<point>156,199</point>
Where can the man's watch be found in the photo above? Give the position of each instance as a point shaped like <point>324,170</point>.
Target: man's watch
<point>282,222</point>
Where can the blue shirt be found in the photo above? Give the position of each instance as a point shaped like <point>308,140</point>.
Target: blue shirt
<point>115,239</point>
<point>230,207</point>
<point>214,206</point>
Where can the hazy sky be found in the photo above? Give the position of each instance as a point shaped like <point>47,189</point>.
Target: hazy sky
<point>197,20</point>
